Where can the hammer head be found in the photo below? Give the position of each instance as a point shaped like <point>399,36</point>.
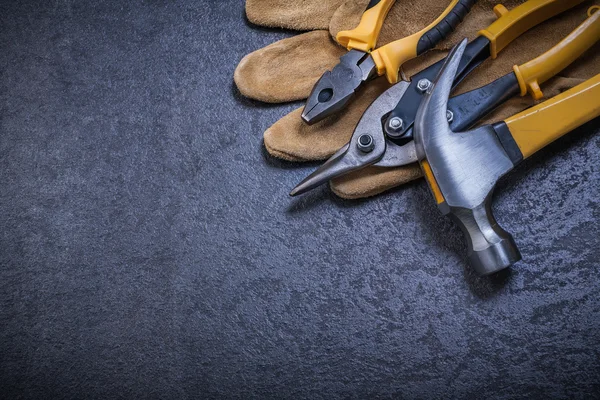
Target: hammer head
<point>462,169</point>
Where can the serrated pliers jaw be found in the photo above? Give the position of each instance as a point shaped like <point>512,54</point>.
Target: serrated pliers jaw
<point>336,88</point>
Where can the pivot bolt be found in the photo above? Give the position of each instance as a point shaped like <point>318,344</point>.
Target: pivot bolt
<point>395,126</point>
<point>449,116</point>
<point>325,95</point>
<point>423,85</point>
<point>396,123</point>
<point>365,143</point>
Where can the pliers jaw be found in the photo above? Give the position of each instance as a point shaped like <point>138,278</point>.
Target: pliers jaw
<point>336,88</point>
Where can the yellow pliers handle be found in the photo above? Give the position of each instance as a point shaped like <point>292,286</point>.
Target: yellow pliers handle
<point>540,125</point>
<point>390,57</point>
<point>537,71</point>
<point>364,36</point>
<point>512,24</point>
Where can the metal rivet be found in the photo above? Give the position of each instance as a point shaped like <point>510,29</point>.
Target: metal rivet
<point>365,143</point>
<point>325,95</point>
<point>394,127</point>
<point>449,116</point>
<point>423,85</point>
<point>396,123</point>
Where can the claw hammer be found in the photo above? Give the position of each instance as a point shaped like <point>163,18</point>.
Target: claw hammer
<point>462,168</point>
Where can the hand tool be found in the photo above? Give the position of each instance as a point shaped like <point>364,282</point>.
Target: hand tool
<point>462,168</point>
<point>371,145</point>
<point>336,88</point>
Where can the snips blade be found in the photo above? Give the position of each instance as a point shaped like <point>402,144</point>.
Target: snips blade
<point>367,146</point>
<point>336,88</point>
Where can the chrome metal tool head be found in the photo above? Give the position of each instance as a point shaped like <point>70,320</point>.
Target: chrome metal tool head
<point>462,169</point>
<point>368,145</point>
<point>336,88</point>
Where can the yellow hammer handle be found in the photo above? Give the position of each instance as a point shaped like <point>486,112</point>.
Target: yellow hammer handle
<point>535,72</point>
<point>512,24</point>
<point>364,36</point>
<point>540,125</point>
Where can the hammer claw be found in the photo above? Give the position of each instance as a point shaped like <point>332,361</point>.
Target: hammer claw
<point>435,103</point>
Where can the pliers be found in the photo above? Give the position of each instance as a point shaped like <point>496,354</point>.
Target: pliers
<point>336,88</point>
<point>383,136</point>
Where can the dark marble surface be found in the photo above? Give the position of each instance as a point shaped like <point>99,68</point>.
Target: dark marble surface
<point>148,248</point>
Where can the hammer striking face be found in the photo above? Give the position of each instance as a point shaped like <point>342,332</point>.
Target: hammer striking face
<point>462,168</point>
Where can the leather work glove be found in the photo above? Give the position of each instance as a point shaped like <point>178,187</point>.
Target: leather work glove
<point>287,70</point>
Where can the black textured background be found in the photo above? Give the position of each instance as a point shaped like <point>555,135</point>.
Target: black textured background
<point>148,248</point>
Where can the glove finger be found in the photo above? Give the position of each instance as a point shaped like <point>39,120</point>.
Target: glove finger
<point>299,15</point>
<point>293,140</point>
<point>347,16</point>
<point>288,69</point>
<point>372,181</point>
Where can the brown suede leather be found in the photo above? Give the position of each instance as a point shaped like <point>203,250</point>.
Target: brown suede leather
<point>288,69</point>
<point>371,181</point>
<point>300,15</point>
<point>295,64</point>
<point>293,140</point>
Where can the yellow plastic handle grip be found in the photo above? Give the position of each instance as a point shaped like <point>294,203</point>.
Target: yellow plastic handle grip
<point>512,24</point>
<point>540,125</point>
<point>364,36</point>
<point>535,72</point>
<point>390,57</point>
